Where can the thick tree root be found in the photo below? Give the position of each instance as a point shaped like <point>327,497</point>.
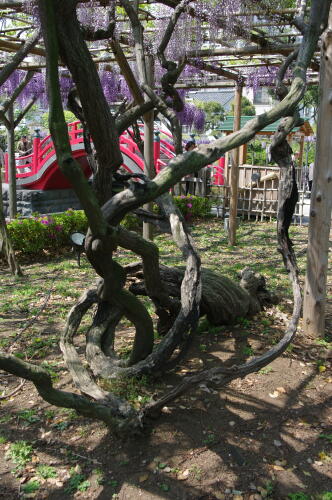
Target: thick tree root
<point>223,300</point>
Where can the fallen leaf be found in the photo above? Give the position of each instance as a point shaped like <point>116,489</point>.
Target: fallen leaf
<point>277,467</point>
<point>274,394</point>
<point>282,390</point>
<point>276,442</point>
<point>182,476</point>
<point>143,478</point>
<point>324,456</point>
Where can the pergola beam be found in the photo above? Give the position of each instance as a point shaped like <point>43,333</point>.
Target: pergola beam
<point>213,69</point>
<point>283,49</point>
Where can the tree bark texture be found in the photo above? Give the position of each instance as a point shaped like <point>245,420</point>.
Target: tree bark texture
<point>5,244</point>
<point>75,54</point>
<point>235,169</point>
<point>321,202</point>
<point>11,163</point>
<point>223,301</point>
<point>149,168</point>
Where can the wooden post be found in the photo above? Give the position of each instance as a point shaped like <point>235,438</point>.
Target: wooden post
<point>149,168</point>
<point>243,154</point>
<point>11,164</point>
<point>5,244</point>
<point>301,151</point>
<point>321,202</point>
<point>235,170</point>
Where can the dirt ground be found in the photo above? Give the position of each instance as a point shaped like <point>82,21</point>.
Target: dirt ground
<point>266,436</point>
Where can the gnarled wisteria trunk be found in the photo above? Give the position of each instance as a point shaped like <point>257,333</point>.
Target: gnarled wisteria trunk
<point>179,295</point>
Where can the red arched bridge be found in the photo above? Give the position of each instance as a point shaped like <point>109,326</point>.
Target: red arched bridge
<point>40,170</point>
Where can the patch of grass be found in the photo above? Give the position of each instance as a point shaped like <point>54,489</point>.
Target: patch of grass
<point>20,452</point>
<point>265,322</point>
<point>29,416</point>
<point>210,439</point>
<point>5,419</point>
<point>248,351</point>
<point>39,346</point>
<point>265,371</point>
<point>124,462</point>
<point>100,476</point>
<point>46,471</point>
<point>205,326</point>
<point>196,472</point>
<point>61,426</point>
<point>77,482</point>
<point>69,413</point>
<point>324,343</point>
<point>164,487</point>
<point>49,414</point>
<point>328,437</point>
<point>51,367</point>
<point>31,486</point>
<point>298,496</point>
<point>4,343</point>
<point>3,439</point>
<point>327,495</point>
<point>269,487</point>
<point>245,322</point>
<point>133,389</point>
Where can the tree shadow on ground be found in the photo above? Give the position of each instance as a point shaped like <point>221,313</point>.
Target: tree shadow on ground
<point>225,441</point>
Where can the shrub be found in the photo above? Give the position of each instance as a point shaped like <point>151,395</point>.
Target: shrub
<point>37,233</point>
<point>193,206</point>
<point>51,232</point>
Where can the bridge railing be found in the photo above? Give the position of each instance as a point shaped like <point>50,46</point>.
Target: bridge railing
<point>42,150</point>
<point>24,166</point>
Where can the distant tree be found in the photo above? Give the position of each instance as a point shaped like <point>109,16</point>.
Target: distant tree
<point>69,117</point>
<point>214,112</point>
<point>311,101</point>
<point>247,108</point>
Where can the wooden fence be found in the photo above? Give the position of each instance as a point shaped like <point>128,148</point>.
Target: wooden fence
<point>258,194</point>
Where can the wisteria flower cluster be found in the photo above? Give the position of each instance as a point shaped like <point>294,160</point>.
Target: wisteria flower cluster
<point>192,116</point>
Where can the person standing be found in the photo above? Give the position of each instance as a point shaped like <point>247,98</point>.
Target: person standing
<point>24,146</point>
<point>310,175</point>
